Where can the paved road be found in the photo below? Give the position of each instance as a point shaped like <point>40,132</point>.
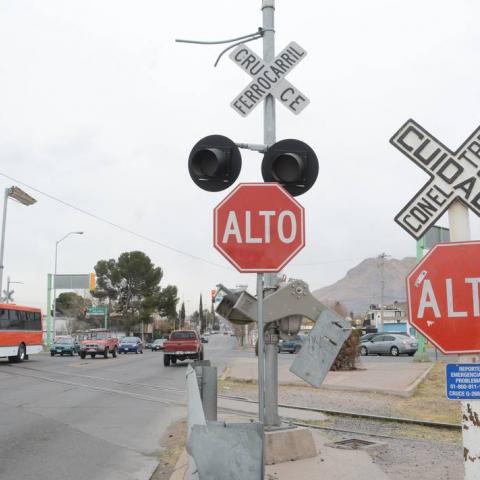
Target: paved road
<point>94,419</point>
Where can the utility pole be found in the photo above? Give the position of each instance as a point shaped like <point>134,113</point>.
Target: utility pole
<point>382,258</point>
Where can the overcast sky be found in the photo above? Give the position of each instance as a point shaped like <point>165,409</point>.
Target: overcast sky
<point>99,107</point>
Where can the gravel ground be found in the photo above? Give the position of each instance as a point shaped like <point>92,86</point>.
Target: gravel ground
<point>370,403</point>
<point>405,459</point>
<point>415,452</point>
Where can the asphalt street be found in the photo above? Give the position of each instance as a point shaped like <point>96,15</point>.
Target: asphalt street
<point>64,417</point>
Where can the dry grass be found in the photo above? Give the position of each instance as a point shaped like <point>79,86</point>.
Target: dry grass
<point>173,443</point>
<point>429,402</point>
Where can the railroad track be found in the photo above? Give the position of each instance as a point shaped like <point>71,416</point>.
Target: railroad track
<point>45,376</point>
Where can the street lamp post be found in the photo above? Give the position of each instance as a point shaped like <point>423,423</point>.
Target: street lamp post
<point>25,199</point>
<point>54,281</point>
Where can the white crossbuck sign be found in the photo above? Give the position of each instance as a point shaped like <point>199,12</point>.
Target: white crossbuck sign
<point>269,78</point>
<point>454,175</point>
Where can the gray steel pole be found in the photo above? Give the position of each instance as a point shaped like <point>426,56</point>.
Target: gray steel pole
<point>261,356</point>
<point>54,323</point>
<point>269,137</point>
<point>268,10</point>
<point>2,246</point>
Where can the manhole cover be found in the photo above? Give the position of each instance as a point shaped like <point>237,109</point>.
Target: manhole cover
<point>354,444</point>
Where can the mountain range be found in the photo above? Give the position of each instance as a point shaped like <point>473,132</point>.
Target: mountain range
<point>361,286</point>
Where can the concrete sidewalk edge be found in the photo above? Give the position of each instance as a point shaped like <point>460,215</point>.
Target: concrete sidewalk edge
<point>414,386</point>
<point>407,391</point>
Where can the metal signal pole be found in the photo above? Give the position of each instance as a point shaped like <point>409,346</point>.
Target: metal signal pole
<point>269,337</point>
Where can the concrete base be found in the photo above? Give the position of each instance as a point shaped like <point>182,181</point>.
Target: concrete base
<point>289,445</point>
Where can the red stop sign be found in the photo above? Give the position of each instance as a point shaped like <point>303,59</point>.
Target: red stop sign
<point>259,227</point>
<point>443,297</point>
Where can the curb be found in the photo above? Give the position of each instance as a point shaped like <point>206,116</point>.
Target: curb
<point>408,392</point>
<point>413,387</point>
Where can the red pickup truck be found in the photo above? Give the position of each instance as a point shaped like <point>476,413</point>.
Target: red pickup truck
<point>182,345</point>
<point>98,341</point>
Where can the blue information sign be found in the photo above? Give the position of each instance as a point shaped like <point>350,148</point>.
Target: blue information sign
<point>463,381</point>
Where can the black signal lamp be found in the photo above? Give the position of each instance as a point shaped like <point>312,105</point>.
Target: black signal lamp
<point>214,163</point>
<point>292,164</point>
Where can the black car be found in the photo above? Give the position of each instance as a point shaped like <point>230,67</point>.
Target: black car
<point>292,345</point>
<point>130,344</point>
<point>64,346</point>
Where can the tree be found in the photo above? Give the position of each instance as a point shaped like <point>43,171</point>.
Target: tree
<point>207,315</point>
<point>195,318</point>
<point>132,282</point>
<point>182,315</point>
<point>337,307</point>
<point>167,300</point>
<point>70,304</point>
<point>202,315</point>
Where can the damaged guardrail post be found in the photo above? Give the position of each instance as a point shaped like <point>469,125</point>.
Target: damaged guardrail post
<point>217,450</point>
<point>207,383</point>
<point>196,416</point>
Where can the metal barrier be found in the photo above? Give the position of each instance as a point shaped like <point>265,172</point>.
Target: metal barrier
<point>195,416</point>
<point>216,450</point>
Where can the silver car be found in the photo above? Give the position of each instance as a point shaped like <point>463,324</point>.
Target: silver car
<point>389,344</point>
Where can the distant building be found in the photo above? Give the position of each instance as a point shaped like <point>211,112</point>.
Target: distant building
<point>395,318</point>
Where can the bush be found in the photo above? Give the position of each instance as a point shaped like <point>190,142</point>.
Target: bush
<point>348,354</point>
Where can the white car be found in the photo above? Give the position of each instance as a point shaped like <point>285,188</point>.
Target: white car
<point>158,344</point>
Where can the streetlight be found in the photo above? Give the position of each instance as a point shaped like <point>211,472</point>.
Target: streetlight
<point>25,199</point>
<point>55,280</point>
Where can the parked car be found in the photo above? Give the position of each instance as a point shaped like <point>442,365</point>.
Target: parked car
<point>204,339</point>
<point>158,344</point>
<point>367,337</point>
<point>182,345</point>
<point>130,344</point>
<point>98,341</point>
<point>64,346</point>
<point>292,345</point>
<point>389,344</point>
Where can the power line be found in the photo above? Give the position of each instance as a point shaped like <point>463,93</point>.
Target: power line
<point>113,224</point>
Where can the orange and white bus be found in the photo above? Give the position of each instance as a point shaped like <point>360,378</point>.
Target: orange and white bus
<point>20,331</point>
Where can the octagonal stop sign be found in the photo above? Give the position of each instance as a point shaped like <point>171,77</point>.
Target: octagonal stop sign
<point>443,297</point>
<point>259,227</point>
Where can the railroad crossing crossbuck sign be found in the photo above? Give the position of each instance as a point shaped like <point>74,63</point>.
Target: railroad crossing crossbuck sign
<point>269,78</point>
<point>454,175</point>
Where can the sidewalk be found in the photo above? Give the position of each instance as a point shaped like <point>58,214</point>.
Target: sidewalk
<point>330,463</point>
<point>389,378</point>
